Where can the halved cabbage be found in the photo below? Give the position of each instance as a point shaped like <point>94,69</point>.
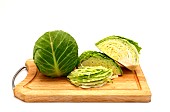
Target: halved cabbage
<point>123,50</point>
<point>94,58</point>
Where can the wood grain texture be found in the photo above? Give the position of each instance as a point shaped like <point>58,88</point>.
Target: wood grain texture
<point>36,87</point>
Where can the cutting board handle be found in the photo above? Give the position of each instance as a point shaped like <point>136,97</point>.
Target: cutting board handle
<point>16,74</point>
<point>28,66</point>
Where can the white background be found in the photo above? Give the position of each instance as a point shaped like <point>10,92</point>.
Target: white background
<point>22,22</point>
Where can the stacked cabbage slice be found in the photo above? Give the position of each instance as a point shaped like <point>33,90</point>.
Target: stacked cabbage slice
<point>89,77</point>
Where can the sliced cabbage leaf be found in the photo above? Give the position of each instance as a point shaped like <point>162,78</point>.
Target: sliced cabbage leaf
<point>94,58</point>
<point>55,53</point>
<point>90,77</point>
<point>123,50</point>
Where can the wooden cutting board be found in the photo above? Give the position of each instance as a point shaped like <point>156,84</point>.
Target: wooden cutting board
<point>36,87</point>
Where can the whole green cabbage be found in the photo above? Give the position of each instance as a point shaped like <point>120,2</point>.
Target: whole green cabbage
<point>55,53</point>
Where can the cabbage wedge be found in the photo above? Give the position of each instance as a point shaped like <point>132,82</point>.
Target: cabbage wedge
<point>94,58</point>
<point>123,50</point>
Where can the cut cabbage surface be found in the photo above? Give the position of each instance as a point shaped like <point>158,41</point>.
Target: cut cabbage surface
<point>122,50</point>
